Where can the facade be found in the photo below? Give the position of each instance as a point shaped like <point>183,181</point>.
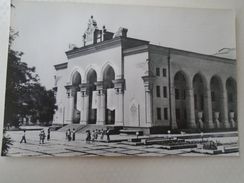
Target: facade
<point>117,80</point>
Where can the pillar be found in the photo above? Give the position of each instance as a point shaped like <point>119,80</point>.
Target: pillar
<point>101,103</point>
<point>70,104</point>
<point>225,109</point>
<point>173,115</point>
<point>191,122</point>
<point>148,84</point>
<point>119,111</point>
<point>208,109</point>
<point>84,103</point>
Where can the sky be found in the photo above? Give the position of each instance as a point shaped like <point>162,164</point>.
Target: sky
<point>47,28</point>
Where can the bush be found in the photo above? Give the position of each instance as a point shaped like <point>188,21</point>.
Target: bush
<point>6,143</point>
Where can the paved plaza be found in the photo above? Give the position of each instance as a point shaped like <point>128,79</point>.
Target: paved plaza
<point>59,146</point>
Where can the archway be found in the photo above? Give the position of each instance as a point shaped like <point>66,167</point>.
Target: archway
<point>180,100</point>
<point>199,104</point>
<point>91,79</point>
<point>217,100</point>
<point>108,77</point>
<point>76,81</point>
<point>231,98</point>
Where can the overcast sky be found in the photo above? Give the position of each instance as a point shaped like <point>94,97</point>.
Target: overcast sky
<point>46,29</point>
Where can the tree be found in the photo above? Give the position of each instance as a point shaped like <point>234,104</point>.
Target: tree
<point>6,143</point>
<point>24,94</point>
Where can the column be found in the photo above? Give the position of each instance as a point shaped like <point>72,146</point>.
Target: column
<point>84,103</point>
<point>70,104</point>
<point>225,109</point>
<point>208,109</point>
<point>148,84</point>
<point>173,115</point>
<point>119,111</point>
<point>101,103</point>
<point>191,122</point>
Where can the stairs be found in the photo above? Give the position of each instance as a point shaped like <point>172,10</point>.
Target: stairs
<point>77,127</point>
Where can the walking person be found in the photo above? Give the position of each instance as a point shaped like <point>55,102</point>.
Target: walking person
<point>108,134</point>
<point>69,135</point>
<point>73,134</point>
<point>102,134</point>
<point>88,136</point>
<point>42,137</point>
<point>23,137</point>
<point>48,134</point>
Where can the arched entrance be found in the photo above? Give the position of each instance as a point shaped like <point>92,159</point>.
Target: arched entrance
<point>199,104</point>
<point>232,100</point>
<point>217,100</point>
<point>76,81</point>
<point>91,79</point>
<point>180,100</point>
<point>108,77</point>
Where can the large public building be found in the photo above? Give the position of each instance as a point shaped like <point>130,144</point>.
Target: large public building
<point>116,80</point>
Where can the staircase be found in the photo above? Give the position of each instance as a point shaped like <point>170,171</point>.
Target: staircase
<point>77,127</point>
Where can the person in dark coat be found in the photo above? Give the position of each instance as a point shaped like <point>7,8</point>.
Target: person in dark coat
<point>108,134</point>
<point>88,136</point>
<point>23,137</point>
<point>48,133</point>
<point>69,134</point>
<point>73,134</point>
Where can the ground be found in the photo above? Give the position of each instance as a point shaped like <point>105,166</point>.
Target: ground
<point>59,146</point>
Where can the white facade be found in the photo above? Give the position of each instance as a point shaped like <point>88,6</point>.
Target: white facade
<point>128,82</point>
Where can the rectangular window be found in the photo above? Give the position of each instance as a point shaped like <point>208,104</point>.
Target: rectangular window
<point>165,92</point>
<point>164,72</point>
<point>157,71</point>
<point>166,113</point>
<point>202,102</point>
<point>177,113</point>
<point>159,113</point>
<point>184,94</point>
<point>230,97</point>
<point>158,91</point>
<point>213,96</point>
<point>177,94</point>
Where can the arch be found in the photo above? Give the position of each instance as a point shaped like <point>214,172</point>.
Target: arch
<point>88,69</point>
<point>231,89</point>
<point>199,91</point>
<point>76,79</point>
<point>91,80</point>
<point>108,76</point>
<point>180,86</point>
<point>216,88</point>
<point>72,72</point>
<point>186,76</point>
<point>109,64</point>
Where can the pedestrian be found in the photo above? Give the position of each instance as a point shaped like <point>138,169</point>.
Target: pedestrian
<point>73,134</point>
<point>93,136</point>
<point>69,134</point>
<point>103,133</point>
<point>88,136</point>
<point>23,137</point>
<point>108,134</point>
<point>48,134</point>
<point>96,134</point>
<point>42,137</point>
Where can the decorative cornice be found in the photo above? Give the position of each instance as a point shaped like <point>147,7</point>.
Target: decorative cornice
<point>61,66</point>
<point>93,48</point>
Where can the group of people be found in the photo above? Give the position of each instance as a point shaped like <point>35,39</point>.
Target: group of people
<point>97,134</point>
<point>70,135</point>
<point>42,136</point>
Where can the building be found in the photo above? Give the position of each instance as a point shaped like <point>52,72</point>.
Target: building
<point>117,80</point>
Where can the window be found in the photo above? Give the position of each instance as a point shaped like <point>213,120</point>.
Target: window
<point>159,113</point>
<point>158,91</point>
<point>165,91</point>
<point>177,94</point>
<point>164,72</point>
<point>195,101</point>
<point>202,102</point>
<point>166,113</point>
<point>213,96</point>
<point>157,71</point>
<point>230,97</point>
<point>177,113</point>
<point>183,94</point>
